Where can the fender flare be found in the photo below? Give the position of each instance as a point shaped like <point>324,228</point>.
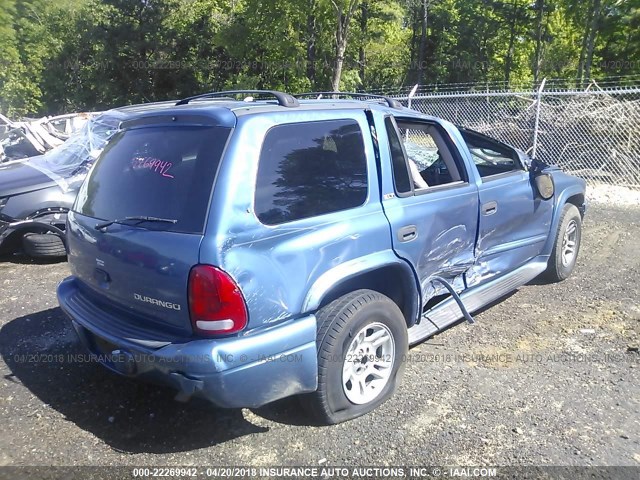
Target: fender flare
<point>559,203</point>
<point>358,266</point>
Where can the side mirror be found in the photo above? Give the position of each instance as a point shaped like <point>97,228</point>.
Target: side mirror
<point>545,186</point>
<point>543,180</point>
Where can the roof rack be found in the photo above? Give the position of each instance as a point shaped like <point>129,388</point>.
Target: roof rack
<point>284,99</point>
<point>391,102</point>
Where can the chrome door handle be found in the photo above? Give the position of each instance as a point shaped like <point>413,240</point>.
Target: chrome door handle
<point>408,233</point>
<point>489,208</point>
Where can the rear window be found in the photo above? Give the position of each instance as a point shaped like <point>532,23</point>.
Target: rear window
<point>309,169</point>
<point>163,172</point>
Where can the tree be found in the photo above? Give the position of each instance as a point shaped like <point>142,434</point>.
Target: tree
<point>71,55</point>
<point>24,47</point>
<point>385,43</point>
<point>590,36</point>
<point>344,11</point>
<point>424,17</point>
<point>10,64</point>
<point>514,19</point>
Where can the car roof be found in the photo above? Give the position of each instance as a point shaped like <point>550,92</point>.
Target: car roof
<point>224,111</point>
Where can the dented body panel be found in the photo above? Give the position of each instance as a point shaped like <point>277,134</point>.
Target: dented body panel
<point>445,240</point>
<point>275,266</point>
<point>515,231</point>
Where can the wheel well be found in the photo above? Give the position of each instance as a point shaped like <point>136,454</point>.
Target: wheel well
<point>13,241</point>
<point>578,201</point>
<point>390,281</point>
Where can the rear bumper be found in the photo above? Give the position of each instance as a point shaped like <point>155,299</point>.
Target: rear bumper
<point>247,371</point>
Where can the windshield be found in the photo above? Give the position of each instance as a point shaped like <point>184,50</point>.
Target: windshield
<point>424,155</point>
<point>158,171</point>
<point>78,151</point>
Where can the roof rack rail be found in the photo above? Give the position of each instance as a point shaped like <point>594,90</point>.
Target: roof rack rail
<point>391,102</point>
<point>284,99</point>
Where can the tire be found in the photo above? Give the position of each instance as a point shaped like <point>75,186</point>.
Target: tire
<point>345,328</point>
<point>43,245</point>
<point>566,246</point>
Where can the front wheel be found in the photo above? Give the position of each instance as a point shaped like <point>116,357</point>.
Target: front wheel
<point>43,245</point>
<point>567,245</point>
<point>362,341</point>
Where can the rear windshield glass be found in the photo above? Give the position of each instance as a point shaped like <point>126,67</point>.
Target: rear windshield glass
<point>162,172</point>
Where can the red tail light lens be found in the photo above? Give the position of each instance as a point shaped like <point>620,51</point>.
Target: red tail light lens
<point>216,304</point>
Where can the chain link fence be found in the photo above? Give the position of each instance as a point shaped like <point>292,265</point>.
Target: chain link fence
<point>594,133</point>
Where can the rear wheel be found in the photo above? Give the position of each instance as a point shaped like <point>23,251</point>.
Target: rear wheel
<point>567,245</point>
<point>362,340</point>
<point>43,245</point>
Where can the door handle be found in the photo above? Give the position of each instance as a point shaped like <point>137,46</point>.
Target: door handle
<point>489,208</point>
<point>408,233</point>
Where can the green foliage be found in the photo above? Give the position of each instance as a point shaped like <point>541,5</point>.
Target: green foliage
<point>20,26</point>
<point>71,55</point>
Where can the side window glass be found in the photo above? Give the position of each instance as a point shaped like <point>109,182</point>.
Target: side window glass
<point>491,158</point>
<point>309,169</point>
<point>400,172</point>
<point>430,160</point>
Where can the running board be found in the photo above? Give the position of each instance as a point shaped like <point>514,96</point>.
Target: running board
<point>447,312</point>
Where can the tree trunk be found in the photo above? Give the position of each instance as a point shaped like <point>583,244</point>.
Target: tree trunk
<point>595,21</point>
<point>342,35</point>
<point>362,60</point>
<point>510,49</point>
<point>539,30</point>
<point>585,42</point>
<point>337,72</point>
<point>413,68</point>
<point>311,44</point>
<point>423,40</point>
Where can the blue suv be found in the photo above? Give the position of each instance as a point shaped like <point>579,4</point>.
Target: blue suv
<point>248,249</point>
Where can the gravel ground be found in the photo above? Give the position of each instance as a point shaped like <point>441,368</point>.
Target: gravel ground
<point>547,376</point>
<point>613,195</point>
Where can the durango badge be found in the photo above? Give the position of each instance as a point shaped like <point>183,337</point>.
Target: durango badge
<point>155,301</point>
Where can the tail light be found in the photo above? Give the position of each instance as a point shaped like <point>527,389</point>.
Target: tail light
<point>216,304</point>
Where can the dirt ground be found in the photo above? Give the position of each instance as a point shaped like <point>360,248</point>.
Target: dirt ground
<point>547,376</point>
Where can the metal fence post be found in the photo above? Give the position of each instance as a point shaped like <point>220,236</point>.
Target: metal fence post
<point>534,150</point>
<point>411,94</point>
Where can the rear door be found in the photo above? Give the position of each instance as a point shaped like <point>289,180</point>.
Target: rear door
<point>514,221</point>
<point>164,171</point>
<point>430,204</point>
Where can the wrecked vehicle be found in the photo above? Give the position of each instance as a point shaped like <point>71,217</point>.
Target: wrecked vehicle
<point>245,251</point>
<point>23,139</point>
<point>36,193</point>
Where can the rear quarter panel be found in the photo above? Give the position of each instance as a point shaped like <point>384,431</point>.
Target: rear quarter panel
<point>275,266</point>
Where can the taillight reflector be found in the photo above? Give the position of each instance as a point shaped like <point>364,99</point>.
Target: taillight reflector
<point>216,304</point>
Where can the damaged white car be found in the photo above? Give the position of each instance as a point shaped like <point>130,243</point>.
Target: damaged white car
<point>27,138</point>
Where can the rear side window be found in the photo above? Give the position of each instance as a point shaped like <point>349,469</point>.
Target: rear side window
<point>164,172</point>
<point>309,169</point>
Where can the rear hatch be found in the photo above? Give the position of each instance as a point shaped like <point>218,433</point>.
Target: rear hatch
<point>136,227</point>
